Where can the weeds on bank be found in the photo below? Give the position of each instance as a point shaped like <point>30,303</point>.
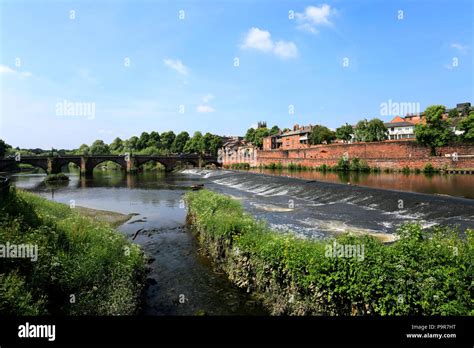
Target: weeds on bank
<point>83,266</point>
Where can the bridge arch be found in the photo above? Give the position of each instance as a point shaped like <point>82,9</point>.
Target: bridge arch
<point>36,162</point>
<point>61,163</point>
<point>141,162</point>
<point>93,162</point>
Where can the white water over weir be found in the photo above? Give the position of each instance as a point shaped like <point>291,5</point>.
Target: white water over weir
<point>314,209</point>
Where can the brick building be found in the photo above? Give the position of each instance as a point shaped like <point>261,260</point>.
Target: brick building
<point>298,138</point>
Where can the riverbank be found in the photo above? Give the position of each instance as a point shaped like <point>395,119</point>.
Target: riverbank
<point>425,272</point>
<point>82,266</point>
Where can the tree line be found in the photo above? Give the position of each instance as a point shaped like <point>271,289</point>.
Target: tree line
<point>436,132</point>
<point>152,143</point>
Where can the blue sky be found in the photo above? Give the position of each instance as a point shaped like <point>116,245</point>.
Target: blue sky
<point>332,62</point>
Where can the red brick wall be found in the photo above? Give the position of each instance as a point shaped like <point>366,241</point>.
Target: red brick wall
<point>388,154</point>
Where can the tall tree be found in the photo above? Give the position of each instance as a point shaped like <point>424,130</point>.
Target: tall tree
<point>321,134</point>
<point>154,140</point>
<point>116,146</point>
<point>98,147</point>
<point>250,135</point>
<point>260,133</point>
<point>195,144</point>
<point>345,132</point>
<point>179,142</point>
<point>453,113</point>
<point>131,144</point>
<point>274,130</point>
<point>83,150</point>
<point>3,148</point>
<point>373,130</point>
<point>437,131</point>
<point>167,139</point>
<point>212,143</point>
<point>143,141</point>
<point>466,125</point>
<point>377,130</point>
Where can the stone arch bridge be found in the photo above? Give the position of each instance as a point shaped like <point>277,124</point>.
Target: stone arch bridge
<point>130,163</point>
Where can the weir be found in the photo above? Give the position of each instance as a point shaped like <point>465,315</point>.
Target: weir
<point>321,208</point>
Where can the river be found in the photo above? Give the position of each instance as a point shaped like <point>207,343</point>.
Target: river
<point>184,283</point>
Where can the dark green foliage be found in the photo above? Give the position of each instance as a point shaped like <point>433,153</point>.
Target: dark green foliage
<point>466,125</point>
<point>98,147</point>
<point>240,166</point>
<point>180,141</point>
<point>3,148</point>
<point>56,177</point>
<point>321,134</point>
<point>437,131</point>
<point>428,168</point>
<point>345,132</point>
<point>373,130</point>
<point>343,164</point>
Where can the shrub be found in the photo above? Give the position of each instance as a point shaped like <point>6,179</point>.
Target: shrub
<point>245,166</point>
<point>428,168</point>
<point>56,177</point>
<point>292,166</point>
<point>343,164</point>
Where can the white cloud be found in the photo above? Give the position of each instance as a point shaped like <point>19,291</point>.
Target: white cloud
<point>207,98</point>
<point>177,65</point>
<point>459,47</point>
<point>285,49</point>
<point>205,108</point>
<point>4,69</point>
<point>261,40</point>
<point>314,16</point>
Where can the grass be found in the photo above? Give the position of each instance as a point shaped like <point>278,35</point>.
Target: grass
<point>425,272</point>
<point>84,267</point>
<point>244,166</point>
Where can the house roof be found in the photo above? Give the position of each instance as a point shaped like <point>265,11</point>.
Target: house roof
<point>397,119</point>
<point>398,124</point>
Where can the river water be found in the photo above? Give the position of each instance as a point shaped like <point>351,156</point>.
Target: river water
<point>181,281</point>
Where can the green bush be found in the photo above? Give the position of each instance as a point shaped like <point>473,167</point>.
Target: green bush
<point>271,166</point>
<point>425,272</point>
<point>324,167</point>
<point>56,177</point>
<point>428,168</point>
<point>76,256</point>
<point>343,164</point>
<point>245,166</point>
<point>359,165</point>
